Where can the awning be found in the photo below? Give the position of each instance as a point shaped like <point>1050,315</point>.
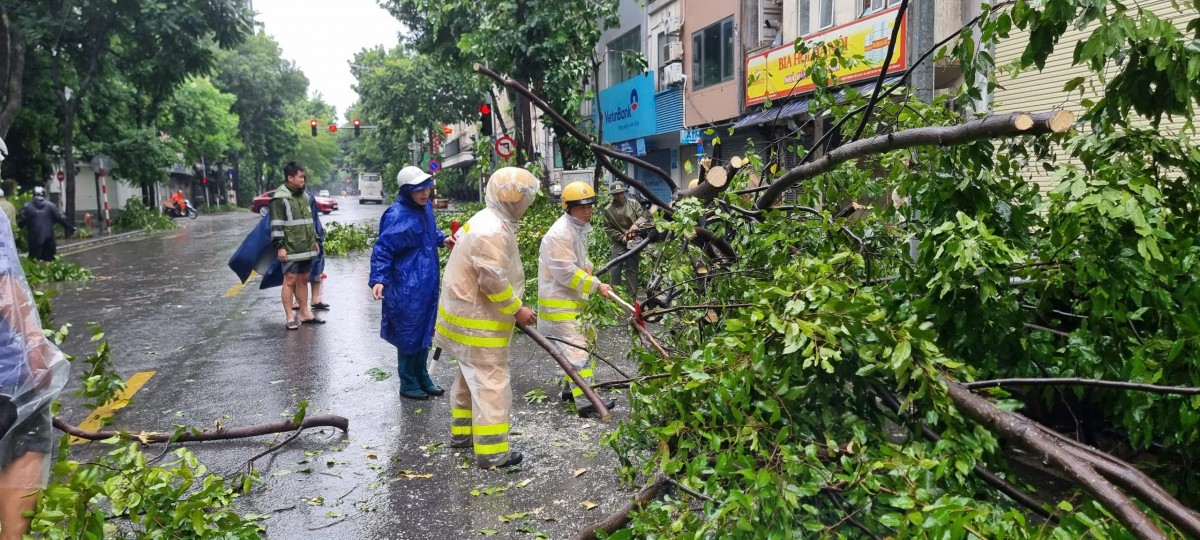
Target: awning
<point>462,159</point>
<point>798,106</point>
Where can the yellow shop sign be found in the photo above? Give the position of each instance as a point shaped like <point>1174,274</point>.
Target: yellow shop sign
<point>783,72</point>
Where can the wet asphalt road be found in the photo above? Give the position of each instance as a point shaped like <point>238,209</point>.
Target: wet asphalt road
<point>167,303</point>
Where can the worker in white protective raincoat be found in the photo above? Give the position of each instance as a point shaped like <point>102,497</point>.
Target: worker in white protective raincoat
<point>479,305</point>
<point>564,282</point>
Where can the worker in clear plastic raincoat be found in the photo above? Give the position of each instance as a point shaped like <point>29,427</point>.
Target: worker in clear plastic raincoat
<point>32,373</point>
<point>565,281</point>
<point>480,303</point>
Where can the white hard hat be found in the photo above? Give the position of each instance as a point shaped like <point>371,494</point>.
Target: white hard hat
<point>411,176</point>
<point>39,191</point>
<point>3,150</point>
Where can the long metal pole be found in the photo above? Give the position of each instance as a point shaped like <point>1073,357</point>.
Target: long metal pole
<point>566,366</point>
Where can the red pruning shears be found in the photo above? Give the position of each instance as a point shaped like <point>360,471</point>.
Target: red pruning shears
<point>454,225</point>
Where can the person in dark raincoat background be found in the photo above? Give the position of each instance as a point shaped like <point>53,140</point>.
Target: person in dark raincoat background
<point>404,274</point>
<point>38,216</point>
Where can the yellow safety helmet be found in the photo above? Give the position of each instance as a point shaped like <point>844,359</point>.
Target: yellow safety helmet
<point>578,194</point>
<point>695,182</point>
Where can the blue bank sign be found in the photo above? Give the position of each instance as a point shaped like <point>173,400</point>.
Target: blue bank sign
<point>627,109</point>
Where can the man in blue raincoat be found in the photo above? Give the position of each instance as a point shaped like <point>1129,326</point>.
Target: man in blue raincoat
<point>404,274</point>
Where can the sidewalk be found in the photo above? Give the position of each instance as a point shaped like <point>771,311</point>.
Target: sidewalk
<point>75,245</point>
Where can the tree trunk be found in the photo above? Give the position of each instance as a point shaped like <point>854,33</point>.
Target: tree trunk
<point>13,71</point>
<point>68,148</point>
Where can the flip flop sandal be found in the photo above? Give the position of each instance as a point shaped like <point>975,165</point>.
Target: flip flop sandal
<point>321,305</point>
<point>313,320</point>
<point>293,325</point>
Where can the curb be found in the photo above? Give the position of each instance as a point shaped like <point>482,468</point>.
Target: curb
<point>85,245</point>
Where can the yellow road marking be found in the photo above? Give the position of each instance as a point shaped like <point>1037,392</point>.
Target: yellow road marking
<point>119,401</point>
<point>234,290</point>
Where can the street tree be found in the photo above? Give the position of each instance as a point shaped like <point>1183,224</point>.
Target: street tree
<point>317,154</point>
<point>146,38</point>
<point>267,87</point>
<point>200,119</point>
<point>407,96</point>
<point>545,44</point>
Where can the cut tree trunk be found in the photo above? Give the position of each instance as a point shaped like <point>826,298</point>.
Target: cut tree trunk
<point>990,127</point>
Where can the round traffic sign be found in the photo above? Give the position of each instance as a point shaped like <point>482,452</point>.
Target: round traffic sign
<point>434,166</point>
<point>61,176</point>
<point>506,146</point>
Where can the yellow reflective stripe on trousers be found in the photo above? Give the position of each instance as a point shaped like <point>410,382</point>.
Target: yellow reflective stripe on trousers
<point>494,429</point>
<point>559,317</point>
<point>565,304</point>
<point>460,430</point>
<point>502,295</point>
<point>488,449</point>
<point>511,308</point>
<point>474,324</point>
<point>460,413</point>
<point>579,276</point>
<point>472,341</point>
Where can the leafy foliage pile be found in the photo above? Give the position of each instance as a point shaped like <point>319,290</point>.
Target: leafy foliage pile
<point>818,402</point>
<point>343,239</point>
<point>137,216</point>
<point>39,272</point>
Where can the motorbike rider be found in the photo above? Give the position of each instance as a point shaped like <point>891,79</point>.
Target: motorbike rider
<point>178,202</point>
<point>38,216</point>
<point>479,303</point>
<point>564,282</point>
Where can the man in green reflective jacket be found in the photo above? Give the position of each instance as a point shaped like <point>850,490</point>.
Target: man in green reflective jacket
<point>295,240</point>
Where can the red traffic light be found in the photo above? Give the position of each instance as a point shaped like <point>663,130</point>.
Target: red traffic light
<point>357,123</point>
<point>333,128</point>
<point>485,109</point>
<point>313,122</point>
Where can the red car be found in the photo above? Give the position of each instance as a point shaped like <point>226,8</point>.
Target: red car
<point>262,204</point>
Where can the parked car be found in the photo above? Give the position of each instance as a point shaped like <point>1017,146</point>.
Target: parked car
<point>262,203</point>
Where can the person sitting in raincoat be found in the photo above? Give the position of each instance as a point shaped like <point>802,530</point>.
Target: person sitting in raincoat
<point>32,373</point>
<point>480,304</point>
<point>404,274</point>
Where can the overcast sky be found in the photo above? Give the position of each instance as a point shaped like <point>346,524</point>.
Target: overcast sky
<point>321,36</point>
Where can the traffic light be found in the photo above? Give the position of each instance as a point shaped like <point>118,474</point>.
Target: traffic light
<point>313,123</point>
<point>485,120</point>
<point>357,127</point>
<point>333,128</point>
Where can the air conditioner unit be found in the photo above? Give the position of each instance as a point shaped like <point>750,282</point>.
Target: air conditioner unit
<point>672,75</point>
<point>673,52</point>
<point>673,25</point>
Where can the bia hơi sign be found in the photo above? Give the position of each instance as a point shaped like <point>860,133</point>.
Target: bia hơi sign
<point>627,109</point>
<point>783,72</point>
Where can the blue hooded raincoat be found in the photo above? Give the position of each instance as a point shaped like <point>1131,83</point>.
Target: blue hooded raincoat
<point>405,261</point>
<point>256,253</point>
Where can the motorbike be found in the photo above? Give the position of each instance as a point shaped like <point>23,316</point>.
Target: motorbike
<point>189,211</point>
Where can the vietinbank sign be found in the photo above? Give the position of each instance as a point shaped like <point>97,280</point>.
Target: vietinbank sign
<point>627,109</point>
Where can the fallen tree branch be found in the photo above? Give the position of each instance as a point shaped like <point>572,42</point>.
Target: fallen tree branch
<point>620,518</point>
<point>1076,381</point>
<point>570,370</point>
<point>1000,484</point>
<point>626,382</point>
<point>1025,433</point>
<point>633,251</point>
<point>989,127</point>
<point>1129,477</point>
<point>220,434</point>
<point>659,312</point>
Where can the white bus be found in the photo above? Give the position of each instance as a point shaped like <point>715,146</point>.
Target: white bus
<point>370,188</point>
